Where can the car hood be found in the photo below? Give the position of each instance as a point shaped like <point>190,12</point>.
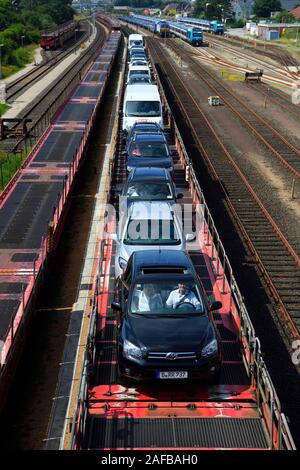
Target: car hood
<point>125,251</point>
<point>162,162</point>
<point>165,334</point>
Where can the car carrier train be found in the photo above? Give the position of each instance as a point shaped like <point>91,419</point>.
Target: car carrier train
<point>52,39</point>
<point>138,385</point>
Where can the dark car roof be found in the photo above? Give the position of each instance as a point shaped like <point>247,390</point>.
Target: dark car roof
<point>148,137</point>
<point>152,258</point>
<point>150,173</point>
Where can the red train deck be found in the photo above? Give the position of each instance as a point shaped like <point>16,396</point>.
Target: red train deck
<point>37,196</point>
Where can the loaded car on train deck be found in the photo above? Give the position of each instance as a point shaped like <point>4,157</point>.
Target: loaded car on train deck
<point>149,184</point>
<point>149,150</point>
<point>141,104</point>
<point>166,328</point>
<point>147,225</point>
<point>142,128</point>
<point>135,40</point>
<point>138,70</point>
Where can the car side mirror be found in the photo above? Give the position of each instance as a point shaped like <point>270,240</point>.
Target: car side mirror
<point>179,196</point>
<point>216,306</point>
<point>116,306</point>
<point>190,237</point>
<point>124,154</point>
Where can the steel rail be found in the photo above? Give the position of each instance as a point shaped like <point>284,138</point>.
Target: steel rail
<point>39,71</point>
<point>279,99</point>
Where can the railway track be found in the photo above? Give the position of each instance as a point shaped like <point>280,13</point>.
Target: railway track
<point>275,257</point>
<point>21,84</point>
<point>42,109</point>
<point>274,140</point>
<point>266,50</point>
<point>278,98</point>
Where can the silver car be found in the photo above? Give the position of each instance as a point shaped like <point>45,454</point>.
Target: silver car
<point>146,226</point>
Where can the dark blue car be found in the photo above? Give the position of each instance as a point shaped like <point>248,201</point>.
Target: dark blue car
<point>149,184</point>
<point>149,150</point>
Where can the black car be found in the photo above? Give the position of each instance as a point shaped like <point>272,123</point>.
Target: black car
<point>166,329</point>
<point>149,150</point>
<point>149,184</point>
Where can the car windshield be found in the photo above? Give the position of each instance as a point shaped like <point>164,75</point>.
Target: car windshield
<point>136,43</point>
<point>148,149</point>
<point>151,232</point>
<point>149,191</point>
<point>139,79</point>
<point>138,72</point>
<point>166,298</point>
<point>142,108</point>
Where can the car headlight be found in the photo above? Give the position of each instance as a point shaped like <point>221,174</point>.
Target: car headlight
<point>132,352</point>
<point>210,349</point>
<point>129,168</point>
<point>122,263</point>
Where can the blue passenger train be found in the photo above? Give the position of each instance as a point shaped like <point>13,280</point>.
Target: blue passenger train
<point>155,25</point>
<point>192,34</point>
<point>215,26</point>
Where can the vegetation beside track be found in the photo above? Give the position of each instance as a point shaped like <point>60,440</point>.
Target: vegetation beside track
<point>21,25</point>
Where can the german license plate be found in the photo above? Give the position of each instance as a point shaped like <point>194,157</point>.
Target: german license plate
<point>173,374</point>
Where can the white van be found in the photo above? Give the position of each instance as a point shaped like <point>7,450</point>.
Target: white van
<point>135,40</point>
<point>138,70</point>
<point>141,104</point>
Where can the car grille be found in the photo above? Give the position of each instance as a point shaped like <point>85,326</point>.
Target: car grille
<point>171,356</point>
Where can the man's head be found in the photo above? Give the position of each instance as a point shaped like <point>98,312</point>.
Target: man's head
<point>181,288</point>
<point>149,290</point>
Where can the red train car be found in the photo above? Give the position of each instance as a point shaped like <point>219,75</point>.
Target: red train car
<point>56,38</point>
<point>111,22</point>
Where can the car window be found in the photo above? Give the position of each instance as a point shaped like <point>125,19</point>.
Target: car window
<point>147,190</point>
<point>162,297</point>
<point>142,108</point>
<point>151,232</point>
<point>148,149</point>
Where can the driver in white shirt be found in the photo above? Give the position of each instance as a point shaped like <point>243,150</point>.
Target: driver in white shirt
<point>182,295</point>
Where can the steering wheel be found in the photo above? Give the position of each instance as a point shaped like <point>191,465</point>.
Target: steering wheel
<point>184,304</point>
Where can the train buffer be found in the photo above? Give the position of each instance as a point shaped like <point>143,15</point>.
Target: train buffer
<point>254,76</point>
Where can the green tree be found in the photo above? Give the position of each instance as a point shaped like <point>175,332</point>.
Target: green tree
<point>263,8</point>
<point>284,17</point>
<point>212,9</point>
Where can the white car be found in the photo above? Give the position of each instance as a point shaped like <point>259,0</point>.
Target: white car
<point>148,226</point>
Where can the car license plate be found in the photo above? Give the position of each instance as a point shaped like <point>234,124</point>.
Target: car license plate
<point>173,374</point>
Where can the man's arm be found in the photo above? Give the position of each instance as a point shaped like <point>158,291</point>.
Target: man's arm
<point>170,300</point>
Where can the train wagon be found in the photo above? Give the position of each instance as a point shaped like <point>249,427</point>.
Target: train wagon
<point>156,25</point>
<point>215,26</point>
<point>57,37</point>
<point>112,23</point>
<point>191,34</point>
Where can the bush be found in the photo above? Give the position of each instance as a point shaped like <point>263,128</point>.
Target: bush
<point>236,24</point>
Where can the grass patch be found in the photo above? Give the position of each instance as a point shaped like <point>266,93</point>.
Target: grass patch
<point>22,57</point>
<point>232,76</point>
<point>9,165</point>
<point>3,108</point>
